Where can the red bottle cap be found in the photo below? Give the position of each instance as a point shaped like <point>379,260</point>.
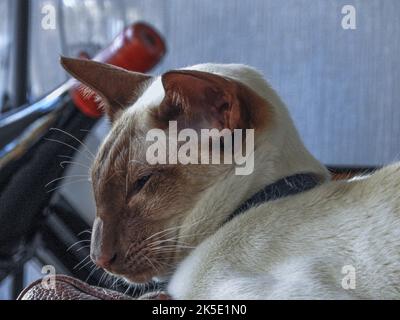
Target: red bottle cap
<point>138,48</point>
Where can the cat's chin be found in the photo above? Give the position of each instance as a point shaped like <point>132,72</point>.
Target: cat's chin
<point>144,278</point>
<point>161,278</point>
<point>138,278</point>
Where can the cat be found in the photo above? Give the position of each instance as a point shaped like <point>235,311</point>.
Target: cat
<point>336,240</point>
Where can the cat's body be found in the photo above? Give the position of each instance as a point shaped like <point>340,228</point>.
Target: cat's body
<point>150,217</point>
<point>306,246</point>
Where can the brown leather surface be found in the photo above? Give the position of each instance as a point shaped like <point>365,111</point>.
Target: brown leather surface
<point>67,288</point>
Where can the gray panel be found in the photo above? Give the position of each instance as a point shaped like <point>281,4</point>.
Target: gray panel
<point>341,86</point>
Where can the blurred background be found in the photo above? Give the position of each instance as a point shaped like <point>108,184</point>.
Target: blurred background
<point>342,86</point>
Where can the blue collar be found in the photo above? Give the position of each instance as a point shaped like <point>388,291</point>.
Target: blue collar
<point>282,188</point>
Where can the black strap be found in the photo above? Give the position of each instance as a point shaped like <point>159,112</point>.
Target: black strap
<point>282,188</point>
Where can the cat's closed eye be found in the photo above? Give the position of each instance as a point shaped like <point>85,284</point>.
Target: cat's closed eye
<point>138,185</point>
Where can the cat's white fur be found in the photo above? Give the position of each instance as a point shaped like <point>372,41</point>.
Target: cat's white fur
<point>299,247</point>
<point>294,247</point>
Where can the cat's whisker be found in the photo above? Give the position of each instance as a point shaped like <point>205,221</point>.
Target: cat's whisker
<point>179,244</point>
<point>108,279</point>
<point>94,269</point>
<point>177,239</point>
<point>101,278</point>
<point>86,264</point>
<point>171,229</point>
<point>172,240</point>
<point>151,263</point>
<point>82,261</point>
<point>70,146</point>
<point>137,161</point>
<point>84,247</point>
<point>63,163</point>
<point>66,177</point>
<point>112,176</point>
<point>161,232</point>
<point>127,175</point>
<point>166,250</point>
<point>163,263</point>
<point>76,139</point>
<point>76,243</point>
<point>65,157</point>
<point>113,285</point>
<point>126,186</point>
<point>176,246</point>
<point>85,231</point>
<point>67,183</point>
<point>127,290</point>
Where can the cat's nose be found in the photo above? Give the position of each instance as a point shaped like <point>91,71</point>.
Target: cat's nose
<point>103,258</point>
<point>105,261</point>
<point>102,251</point>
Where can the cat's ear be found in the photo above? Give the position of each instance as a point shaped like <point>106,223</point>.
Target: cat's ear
<point>202,100</point>
<point>116,87</point>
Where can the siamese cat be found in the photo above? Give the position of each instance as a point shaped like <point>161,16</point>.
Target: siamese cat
<point>330,240</point>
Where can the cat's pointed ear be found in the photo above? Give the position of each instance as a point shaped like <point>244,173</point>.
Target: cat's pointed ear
<point>203,100</point>
<point>116,87</point>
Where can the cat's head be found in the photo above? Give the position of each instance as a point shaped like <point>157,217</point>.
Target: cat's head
<point>145,222</point>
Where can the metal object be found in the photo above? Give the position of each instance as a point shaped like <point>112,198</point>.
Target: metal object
<point>20,55</point>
